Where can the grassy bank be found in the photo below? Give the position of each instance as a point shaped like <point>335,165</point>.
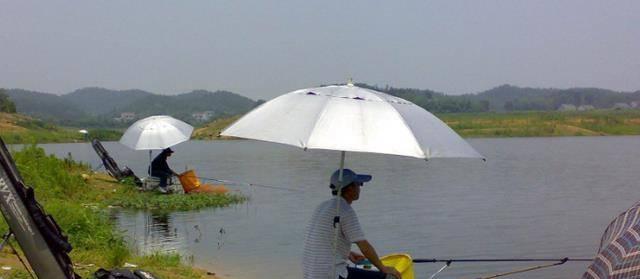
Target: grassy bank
<point>17,128</point>
<point>213,129</point>
<point>545,124</point>
<point>80,203</point>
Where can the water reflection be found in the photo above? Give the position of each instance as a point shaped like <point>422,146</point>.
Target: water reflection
<point>152,232</point>
<point>158,227</point>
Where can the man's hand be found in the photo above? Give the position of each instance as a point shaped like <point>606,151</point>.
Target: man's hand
<point>355,257</point>
<point>392,271</point>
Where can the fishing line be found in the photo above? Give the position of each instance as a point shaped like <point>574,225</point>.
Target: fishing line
<point>231,182</point>
<point>440,270</point>
<point>448,263</point>
<point>523,270</point>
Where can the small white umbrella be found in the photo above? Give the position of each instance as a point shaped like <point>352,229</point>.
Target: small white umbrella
<point>351,118</point>
<point>156,132</point>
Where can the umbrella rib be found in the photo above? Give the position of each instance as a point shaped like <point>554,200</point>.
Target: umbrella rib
<point>313,130</point>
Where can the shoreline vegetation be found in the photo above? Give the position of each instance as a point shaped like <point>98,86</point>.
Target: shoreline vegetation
<point>545,123</point>
<point>81,202</point>
<point>19,129</point>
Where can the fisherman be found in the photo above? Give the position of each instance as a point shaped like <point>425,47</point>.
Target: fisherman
<point>160,169</point>
<point>318,246</point>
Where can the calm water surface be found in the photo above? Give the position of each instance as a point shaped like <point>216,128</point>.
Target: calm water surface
<point>534,197</point>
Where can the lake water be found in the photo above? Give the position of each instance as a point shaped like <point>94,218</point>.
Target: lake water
<point>533,197</point>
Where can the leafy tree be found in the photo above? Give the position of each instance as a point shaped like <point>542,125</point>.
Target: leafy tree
<point>6,105</point>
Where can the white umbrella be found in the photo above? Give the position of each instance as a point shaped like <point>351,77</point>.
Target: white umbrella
<point>350,118</point>
<point>156,132</point>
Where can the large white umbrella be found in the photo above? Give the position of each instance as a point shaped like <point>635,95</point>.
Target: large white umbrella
<point>156,132</point>
<point>351,118</point>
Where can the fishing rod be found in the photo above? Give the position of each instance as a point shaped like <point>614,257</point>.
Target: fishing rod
<point>224,181</point>
<point>450,261</point>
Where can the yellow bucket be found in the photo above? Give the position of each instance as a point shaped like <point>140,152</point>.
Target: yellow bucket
<point>402,262</point>
<point>191,184</point>
<point>189,181</point>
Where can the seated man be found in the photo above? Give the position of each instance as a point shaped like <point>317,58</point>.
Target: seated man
<point>160,168</point>
<point>318,255</point>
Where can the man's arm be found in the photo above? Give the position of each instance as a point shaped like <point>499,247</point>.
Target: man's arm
<point>166,168</point>
<point>368,251</point>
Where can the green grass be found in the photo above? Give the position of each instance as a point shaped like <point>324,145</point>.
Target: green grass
<point>41,136</point>
<point>132,198</point>
<point>17,128</point>
<point>80,206</point>
<point>57,135</point>
<point>541,124</point>
<point>213,129</point>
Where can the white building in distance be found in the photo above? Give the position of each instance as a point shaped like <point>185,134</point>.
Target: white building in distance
<point>126,117</point>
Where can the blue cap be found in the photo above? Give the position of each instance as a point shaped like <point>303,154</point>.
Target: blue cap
<point>348,177</point>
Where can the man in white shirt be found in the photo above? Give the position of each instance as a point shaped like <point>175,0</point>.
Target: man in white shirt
<point>318,247</point>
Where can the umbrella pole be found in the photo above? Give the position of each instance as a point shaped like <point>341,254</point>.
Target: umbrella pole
<point>150,162</point>
<point>336,219</point>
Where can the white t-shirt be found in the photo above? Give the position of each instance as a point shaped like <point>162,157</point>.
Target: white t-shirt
<point>318,243</point>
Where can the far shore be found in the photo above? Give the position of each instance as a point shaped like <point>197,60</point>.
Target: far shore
<point>468,125</point>
<point>511,124</point>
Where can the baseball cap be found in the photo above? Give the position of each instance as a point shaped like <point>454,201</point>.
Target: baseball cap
<point>167,150</point>
<point>348,177</point>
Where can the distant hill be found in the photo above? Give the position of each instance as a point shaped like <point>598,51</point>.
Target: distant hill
<point>217,104</point>
<point>45,106</point>
<point>96,101</point>
<point>94,107</point>
<point>513,98</point>
<point>97,107</point>
<point>433,101</point>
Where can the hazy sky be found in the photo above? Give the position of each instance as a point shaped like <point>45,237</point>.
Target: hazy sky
<point>262,49</point>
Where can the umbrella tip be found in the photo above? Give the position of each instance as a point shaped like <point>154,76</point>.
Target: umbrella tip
<point>350,82</point>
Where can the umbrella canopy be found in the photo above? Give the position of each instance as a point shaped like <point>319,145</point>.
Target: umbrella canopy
<point>351,118</point>
<point>156,132</point>
<point>619,252</point>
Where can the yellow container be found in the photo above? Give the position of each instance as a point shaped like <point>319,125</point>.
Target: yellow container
<point>189,181</point>
<point>402,262</point>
